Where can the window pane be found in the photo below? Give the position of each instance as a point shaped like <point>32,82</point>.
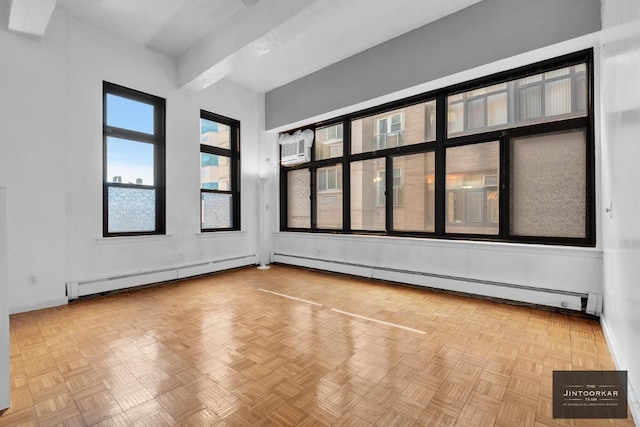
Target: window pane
<point>129,162</point>
<point>215,172</point>
<point>216,210</point>
<point>476,113</point>
<point>557,97</point>
<point>548,185</point>
<point>537,98</point>
<point>215,134</point>
<point>131,210</point>
<point>368,195</point>
<point>329,142</point>
<point>497,109</point>
<point>430,121</point>
<point>472,188</point>
<point>530,103</point>
<point>128,114</point>
<point>329,198</point>
<point>298,199</point>
<point>581,95</point>
<point>396,123</point>
<point>455,117</point>
<point>332,180</point>
<point>414,192</point>
<point>409,125</point>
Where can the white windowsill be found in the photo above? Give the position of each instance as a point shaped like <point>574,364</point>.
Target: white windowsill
<point>532,248</point>
<point>132,239</point>
<point>212,234</point>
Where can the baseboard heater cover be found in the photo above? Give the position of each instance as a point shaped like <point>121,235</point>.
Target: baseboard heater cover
<point>76,289</point>
<point>507,291</point>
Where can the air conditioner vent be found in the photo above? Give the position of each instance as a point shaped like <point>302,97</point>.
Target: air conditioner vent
<point>296,148</point>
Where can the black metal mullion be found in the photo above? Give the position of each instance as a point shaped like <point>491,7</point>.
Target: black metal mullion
<point>504,178</point>
<point>313,172</point>
<point>236,173</point>
<point>284,199</point>
<point>160,165</point>
<point>346,176</point>
<point>388,193</point>
<point>440,165</point>
<point>216,151</point>
<point>590,223</point>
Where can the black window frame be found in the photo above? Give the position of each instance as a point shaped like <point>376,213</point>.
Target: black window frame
<point>157,139</point>
<point>443,141</point>
<point>233,153</point>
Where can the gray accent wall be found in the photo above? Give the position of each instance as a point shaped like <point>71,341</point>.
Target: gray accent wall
<point>480,34</point>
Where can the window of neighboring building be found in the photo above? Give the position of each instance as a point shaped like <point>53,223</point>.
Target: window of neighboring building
<point>328,142</point>
<point>330,179</point>
<point>134,162</point>
<point>508,157</point>
<point>412,124</point>
<point>219,173</point>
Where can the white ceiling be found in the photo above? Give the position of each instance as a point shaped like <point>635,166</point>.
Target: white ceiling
<point>257,44</point>
<point>170,26</point>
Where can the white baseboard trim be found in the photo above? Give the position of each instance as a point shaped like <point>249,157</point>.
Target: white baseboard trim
<point>81,288</point>
<point>90,287</point>
<point>634,403</point>
<point>505,291</point>
<point>55,302</point>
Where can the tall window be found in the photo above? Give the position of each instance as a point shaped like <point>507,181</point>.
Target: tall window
<point>219,173</point>
<point>507,157</point>
<point>133,133</point>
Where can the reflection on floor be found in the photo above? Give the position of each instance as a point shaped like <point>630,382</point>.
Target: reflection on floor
<point>314,349</point>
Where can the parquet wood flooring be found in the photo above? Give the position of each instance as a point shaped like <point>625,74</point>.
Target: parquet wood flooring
<point>279,347</point>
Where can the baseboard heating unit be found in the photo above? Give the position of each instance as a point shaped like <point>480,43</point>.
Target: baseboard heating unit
<point>589,303</point>
<point>78,289</point>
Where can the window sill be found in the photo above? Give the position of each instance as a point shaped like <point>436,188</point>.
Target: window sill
<point>131,239</point>
<point>499,247</point>
<point>211,234</point>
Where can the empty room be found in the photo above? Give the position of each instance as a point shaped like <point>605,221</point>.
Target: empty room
<point>319,213</point>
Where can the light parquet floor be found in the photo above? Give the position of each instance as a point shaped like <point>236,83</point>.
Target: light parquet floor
<point>219,350</point>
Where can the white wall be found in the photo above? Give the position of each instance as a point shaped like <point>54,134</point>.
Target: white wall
<point>4,305</point>
<point>32,161</point>
<point>51,161</point>
<point>268,166</point>
<point>543,267</point>
<point>620,112</point>
<point>118,61</point>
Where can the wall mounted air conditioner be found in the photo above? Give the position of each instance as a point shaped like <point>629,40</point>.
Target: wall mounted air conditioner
<point>296,148</point>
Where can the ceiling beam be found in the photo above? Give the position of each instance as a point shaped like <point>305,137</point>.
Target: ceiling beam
<point>31,17</point>
<point>251,31</point>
